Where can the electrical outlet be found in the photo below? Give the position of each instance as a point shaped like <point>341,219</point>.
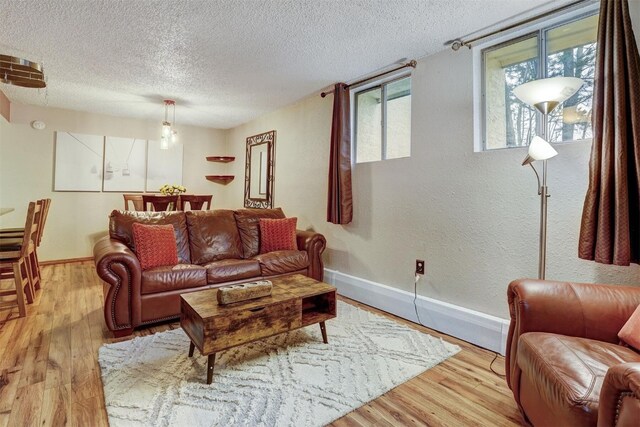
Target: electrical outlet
<point>419,266</point>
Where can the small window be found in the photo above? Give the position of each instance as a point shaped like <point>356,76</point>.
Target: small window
<point>382,121</point>
<point>568,48</point>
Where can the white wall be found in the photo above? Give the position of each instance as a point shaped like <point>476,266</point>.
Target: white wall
<point>472,216</point>
<point>77,219</point>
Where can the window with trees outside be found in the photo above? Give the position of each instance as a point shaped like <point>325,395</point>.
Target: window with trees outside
<point>382,121</point>
<point>565,49</point>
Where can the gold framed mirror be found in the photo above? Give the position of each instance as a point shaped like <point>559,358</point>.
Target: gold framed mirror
<point>259,170</point>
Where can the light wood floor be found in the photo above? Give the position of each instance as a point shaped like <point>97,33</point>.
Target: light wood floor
<point>49,374</point>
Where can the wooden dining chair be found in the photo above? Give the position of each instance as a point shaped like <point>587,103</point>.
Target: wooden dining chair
<point>15,231</point>
<point>14,263</point>
<point>44,206</point>
<point>195,202</point>
<point>31,236</point>
<point>159,203</point>
<point>43,219</point>
<point>136,201</point>
<point>19,232</point>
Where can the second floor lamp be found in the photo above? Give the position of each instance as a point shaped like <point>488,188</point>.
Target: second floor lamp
<point>545,95</point>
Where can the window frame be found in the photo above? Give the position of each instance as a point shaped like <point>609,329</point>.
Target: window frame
<point>538,29</point>
<point>375,84</point>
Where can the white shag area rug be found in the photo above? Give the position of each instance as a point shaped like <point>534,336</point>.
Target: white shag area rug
<point>292,379</point>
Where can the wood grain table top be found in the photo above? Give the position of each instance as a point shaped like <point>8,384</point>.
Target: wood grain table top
<point>284,288</point>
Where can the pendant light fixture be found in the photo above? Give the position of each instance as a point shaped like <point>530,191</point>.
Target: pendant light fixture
<point>169,134</point>
<point>21,72</point>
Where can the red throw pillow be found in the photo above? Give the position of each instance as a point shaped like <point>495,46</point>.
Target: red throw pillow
<point>278,235</point>
<point>155,245</point>
<point>630,332</point>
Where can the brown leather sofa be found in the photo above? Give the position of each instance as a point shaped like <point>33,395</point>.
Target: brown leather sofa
<point>215,248</point>
<point>564,362</point>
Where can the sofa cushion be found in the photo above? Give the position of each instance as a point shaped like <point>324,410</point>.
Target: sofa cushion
<point>247,221</point>
<point>170,278</point>
<point>278,234</point>
<point>121,222</point>
<point>630,332</point>
<point>155,245</point>
<point>228,270</point>
<point>213,236</point>
<point>280,262</point>
<point>564,375</point>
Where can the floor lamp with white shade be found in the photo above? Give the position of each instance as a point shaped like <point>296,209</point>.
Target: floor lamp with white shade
<point>544,95</point>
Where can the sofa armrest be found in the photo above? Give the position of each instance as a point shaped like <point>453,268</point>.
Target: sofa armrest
<point>576,309</point>
<point>620,396</point>
<point>314,244</point>
<point>120,269</point>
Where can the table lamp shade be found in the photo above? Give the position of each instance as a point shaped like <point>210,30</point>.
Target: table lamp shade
<point>546,94</point>
<point>539,149</point>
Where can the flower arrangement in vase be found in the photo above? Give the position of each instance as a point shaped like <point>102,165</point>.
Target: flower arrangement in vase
<point>172,190</point>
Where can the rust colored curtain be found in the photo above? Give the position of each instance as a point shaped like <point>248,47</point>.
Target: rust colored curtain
<point>340,204</point>
<point>610,229</point>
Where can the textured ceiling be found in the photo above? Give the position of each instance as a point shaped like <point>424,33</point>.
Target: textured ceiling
<point>225,62</point>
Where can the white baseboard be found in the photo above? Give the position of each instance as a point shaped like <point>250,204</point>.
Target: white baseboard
<point>472,326</point>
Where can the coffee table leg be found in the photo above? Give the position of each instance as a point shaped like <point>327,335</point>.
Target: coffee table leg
<point>210,362</point>
<point>191,348</point>
<point>323,329</point>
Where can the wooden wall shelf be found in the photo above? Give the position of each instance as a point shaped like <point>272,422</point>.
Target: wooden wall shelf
<point>220,159</point>
<point>220,179</point>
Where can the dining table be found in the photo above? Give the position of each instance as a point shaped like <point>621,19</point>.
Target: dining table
<point>6,210</point>
<point>138,204</point>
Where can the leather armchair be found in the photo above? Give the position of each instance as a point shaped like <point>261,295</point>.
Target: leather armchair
<point>564,363</point>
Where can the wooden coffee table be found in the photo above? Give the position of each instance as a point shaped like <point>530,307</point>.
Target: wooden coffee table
<point>296,301</point>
